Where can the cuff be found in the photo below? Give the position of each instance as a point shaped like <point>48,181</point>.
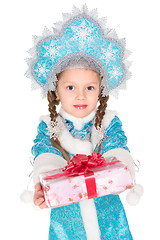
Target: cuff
<point>124,156</point>
<point>46,162</point>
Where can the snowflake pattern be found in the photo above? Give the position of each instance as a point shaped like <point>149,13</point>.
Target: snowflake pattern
<point>116,72</point>
<point>109,54</point>
<point>83,34</point>
<point>42,70</point>
<point>81,37</point>
<point>52,50</point>
<point>55,128</point>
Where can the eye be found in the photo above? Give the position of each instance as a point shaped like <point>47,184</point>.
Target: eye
<point>70,88</point>
<point>90,88</point>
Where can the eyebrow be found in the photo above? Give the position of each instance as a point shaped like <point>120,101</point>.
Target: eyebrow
<point>90,83</point>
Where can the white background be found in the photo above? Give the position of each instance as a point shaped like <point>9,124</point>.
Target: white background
<point>138,107</point>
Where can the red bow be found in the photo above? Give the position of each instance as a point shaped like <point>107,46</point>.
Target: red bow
<point>81,164</point>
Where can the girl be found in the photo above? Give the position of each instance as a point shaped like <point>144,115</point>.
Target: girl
<point>78,66</point>
<point>78,90</point>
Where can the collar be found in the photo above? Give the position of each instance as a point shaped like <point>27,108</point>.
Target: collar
<point>73,145</point>
<point>77,122</point>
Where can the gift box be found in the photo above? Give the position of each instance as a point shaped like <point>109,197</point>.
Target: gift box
<point>83,178</point>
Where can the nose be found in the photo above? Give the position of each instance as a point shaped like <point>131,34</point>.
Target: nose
<point>81,94</point>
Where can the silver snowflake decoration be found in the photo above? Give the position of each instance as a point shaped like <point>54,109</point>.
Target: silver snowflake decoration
<point>41,70</point>
<point>100,134</point>
<point>83,34</point>
<point>55,128</point>
<point>116,72</point>
<point>52,50</point>
<point>108,54</point>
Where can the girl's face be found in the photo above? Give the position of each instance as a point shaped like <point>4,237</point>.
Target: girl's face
<point>78,91</point>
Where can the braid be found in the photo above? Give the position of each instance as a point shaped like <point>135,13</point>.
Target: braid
<point>99,115</point>
<point>51,96</point>
<point>101,111</point>
<point>52,105</point>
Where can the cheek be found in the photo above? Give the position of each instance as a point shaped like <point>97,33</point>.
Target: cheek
<point>57,94</point>
<point>65,98</point>
<point>94,98</point>
<point>95,102</point>
<point>61,94</point>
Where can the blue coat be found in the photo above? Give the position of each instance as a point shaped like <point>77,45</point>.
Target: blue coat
<point>106,217</point>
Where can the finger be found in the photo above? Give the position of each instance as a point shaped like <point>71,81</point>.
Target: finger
<point>38,187</point>
<point>38,201</point>
<point>38,195</point>
<point>43,205</point>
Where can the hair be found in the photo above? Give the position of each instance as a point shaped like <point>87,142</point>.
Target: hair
<point>53,102</point>
<point>101,110</point>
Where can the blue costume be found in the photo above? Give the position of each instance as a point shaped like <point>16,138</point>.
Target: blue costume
<point>81,41</point>
<point>67,222</point>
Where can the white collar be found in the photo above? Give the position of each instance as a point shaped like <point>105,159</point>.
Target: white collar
<point>78,122</point>
<point>74,146</point>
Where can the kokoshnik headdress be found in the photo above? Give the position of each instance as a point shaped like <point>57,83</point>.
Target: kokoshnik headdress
<point>81,35</point>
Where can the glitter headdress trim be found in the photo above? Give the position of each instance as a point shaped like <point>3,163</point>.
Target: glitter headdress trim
<point>80,35</point>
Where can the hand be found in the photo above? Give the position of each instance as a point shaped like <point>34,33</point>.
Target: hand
<point>39,199</point>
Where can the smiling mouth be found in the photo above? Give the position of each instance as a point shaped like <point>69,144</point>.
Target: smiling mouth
<point>80,107</point>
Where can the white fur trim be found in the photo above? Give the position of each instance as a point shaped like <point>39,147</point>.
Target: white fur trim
<point>69,143</point>
<point>108,117</point>
<point>45,118</point>
<point>27,196</point>
<point>124,156</point>
<point>132,198</point>
<point>46,162</point>
<point>78,122</point>
<point>77,146</point>
<point>89,216</point>
<point>73,145</point>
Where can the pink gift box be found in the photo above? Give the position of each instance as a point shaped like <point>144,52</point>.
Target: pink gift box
<point>61,189</point>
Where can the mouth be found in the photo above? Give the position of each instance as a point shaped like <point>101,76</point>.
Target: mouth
<point>80,107</point>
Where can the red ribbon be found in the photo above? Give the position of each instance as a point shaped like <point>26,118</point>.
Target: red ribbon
<point>82,164</point>
<point>91,184</point>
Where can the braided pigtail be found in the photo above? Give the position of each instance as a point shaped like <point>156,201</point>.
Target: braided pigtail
<point>100,114</point>
<point>53,102</point>
<point>101,111</point>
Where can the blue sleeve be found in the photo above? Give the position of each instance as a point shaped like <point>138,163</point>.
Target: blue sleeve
<point>114,137</point>
<point>42,143</point>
